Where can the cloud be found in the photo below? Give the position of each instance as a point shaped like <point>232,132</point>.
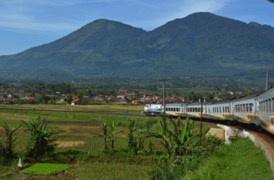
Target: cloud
<point>187,7</point>
<point>190,6</point>
<point>24,15</point>
<point>34,14</point>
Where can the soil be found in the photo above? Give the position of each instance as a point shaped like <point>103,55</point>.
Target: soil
<point>75,122</point>
<point>69,143</point>
<point>220,133</point>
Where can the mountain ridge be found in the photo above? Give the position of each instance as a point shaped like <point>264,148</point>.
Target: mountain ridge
<point>199,43</point>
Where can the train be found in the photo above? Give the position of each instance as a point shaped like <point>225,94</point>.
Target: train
<point>255,110</point>
<point>153,109</point>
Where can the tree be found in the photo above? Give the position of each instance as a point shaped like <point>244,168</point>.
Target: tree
<point>109,131</point>
<point>43,98</point>
<point>6,146</point>
<point>41,138</point>
<point>177,139</point>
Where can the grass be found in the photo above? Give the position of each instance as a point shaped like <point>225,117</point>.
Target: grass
<point>87,108</point>
<point>240,160</point>
<point>45,168</point>
<point>114,167</point>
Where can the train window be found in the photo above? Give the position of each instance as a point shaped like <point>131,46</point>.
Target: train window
<point>249,108</point>
<point>269,106</point>
<point>266,106</point>
<point>272,105</point>
<point>263,106</point>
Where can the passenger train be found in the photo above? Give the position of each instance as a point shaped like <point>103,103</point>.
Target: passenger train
<point>255,110</point>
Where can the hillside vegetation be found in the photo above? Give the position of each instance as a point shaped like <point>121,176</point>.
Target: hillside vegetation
<point>199,44</point>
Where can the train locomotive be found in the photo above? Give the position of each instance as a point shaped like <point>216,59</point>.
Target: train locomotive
<point>257,110</point>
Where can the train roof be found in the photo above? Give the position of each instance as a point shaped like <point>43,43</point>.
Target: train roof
<point>226,101</point>
<point>268,91</point>
<point>246,97</point>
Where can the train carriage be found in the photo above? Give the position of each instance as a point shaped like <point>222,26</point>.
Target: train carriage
<point>265,108</point>
<point>194,110</point>
<point>244,110</point>
<point>217,110</point>
<point>175,109</point>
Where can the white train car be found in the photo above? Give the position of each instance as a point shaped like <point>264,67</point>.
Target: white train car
<point>217,110</point>
<point>244,110</point>
<point>175,109</point>
<point>194,110</point>
<point>265,110</point>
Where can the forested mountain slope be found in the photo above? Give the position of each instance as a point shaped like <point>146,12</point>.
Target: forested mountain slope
<point>201,43</point>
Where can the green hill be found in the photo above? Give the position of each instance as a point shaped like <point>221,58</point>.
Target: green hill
<point>201,43</point>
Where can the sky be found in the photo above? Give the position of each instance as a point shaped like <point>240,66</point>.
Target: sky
<point>28,23</point>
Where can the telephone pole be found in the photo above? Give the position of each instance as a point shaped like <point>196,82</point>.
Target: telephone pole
<point>201,118</point>
<point>266,80</point>
<point>164,95</point>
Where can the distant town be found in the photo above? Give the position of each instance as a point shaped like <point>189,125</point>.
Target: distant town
<point>122,96</point>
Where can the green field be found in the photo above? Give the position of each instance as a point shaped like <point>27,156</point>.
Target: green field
<point>79,143</point>
<point>45,168</point>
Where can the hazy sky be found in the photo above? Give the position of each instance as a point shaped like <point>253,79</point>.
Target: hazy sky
<point>28,23</point>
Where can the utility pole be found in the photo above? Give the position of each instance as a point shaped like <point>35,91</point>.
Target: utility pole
<point>164,96</point>
<point>201,118</point>
<point>266,80</point>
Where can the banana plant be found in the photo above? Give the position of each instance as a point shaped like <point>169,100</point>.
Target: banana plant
<point>113,127</point>
<point>41,138</point>
<point>104,128</point>
<point>109,131</point>
<point>6,146</point>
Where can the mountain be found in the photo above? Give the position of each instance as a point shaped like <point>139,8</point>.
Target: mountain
<point>201,43</point>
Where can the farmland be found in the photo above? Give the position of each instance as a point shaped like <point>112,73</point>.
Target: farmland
<point>79,142</point>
